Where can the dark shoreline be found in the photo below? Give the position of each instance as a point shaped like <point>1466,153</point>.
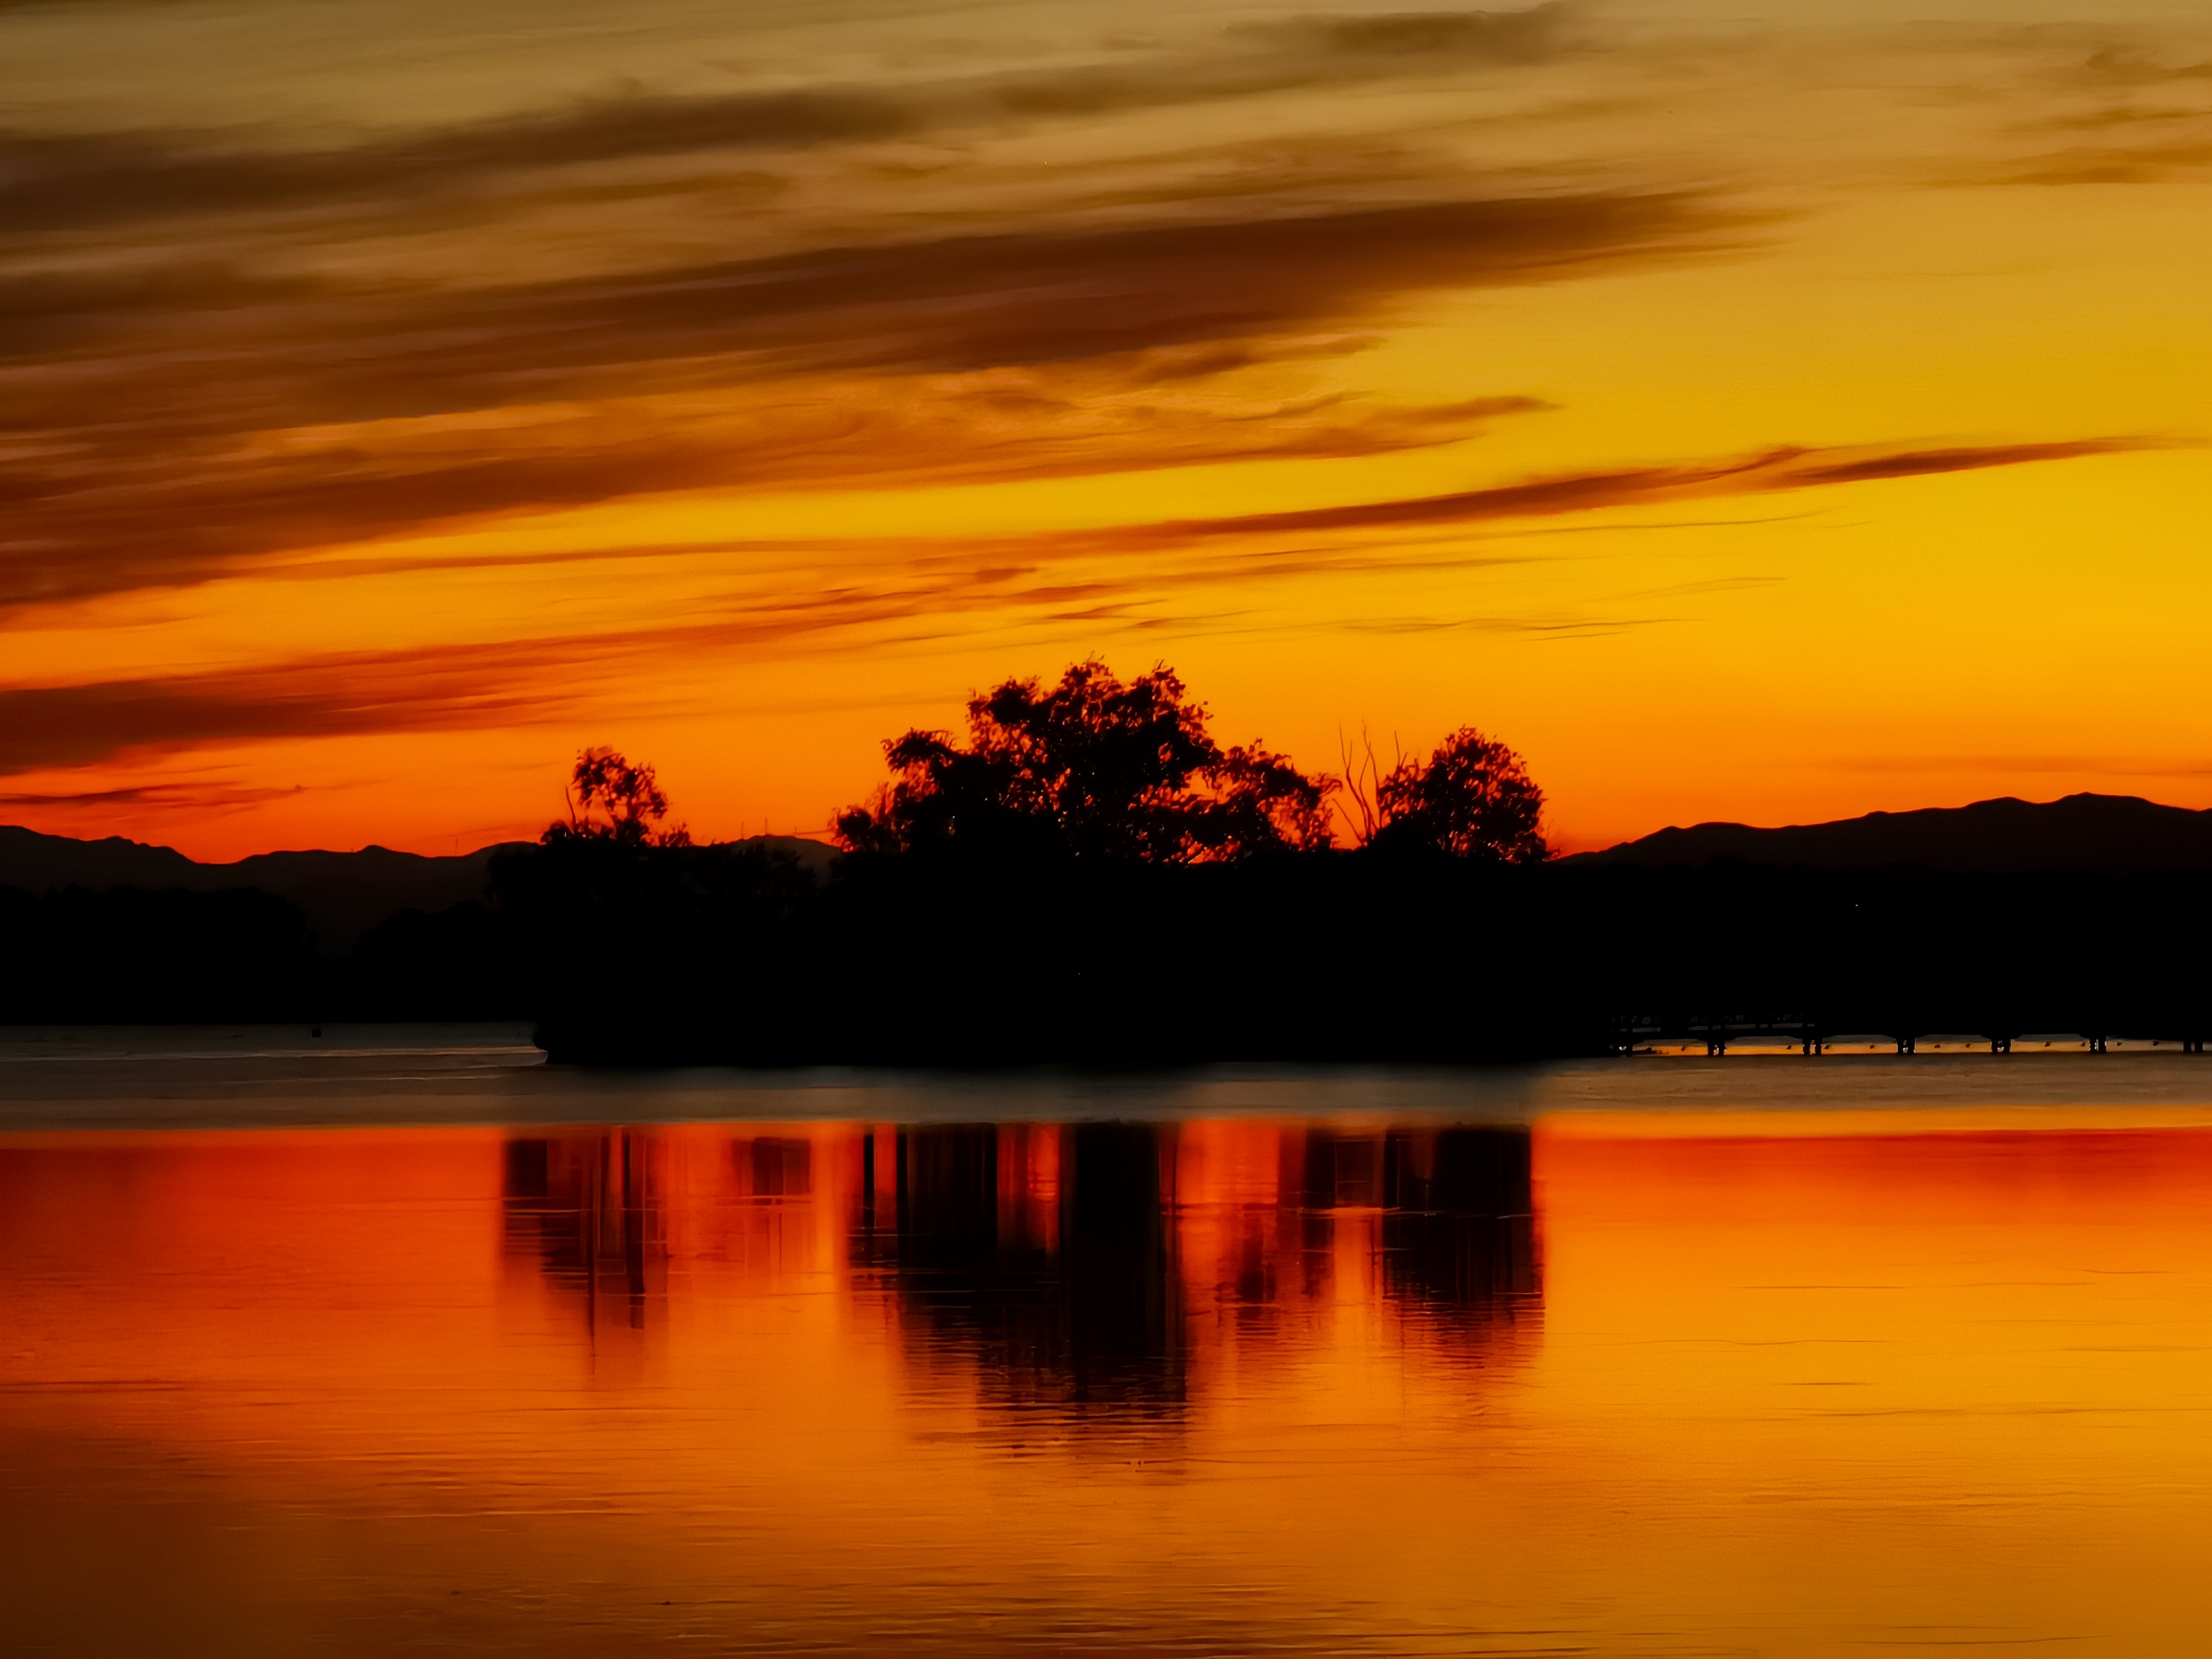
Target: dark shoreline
<point>735,957</point>
<point>158,1092</point>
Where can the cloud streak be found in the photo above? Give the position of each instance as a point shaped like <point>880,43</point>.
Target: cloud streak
<point>164,429</point>
<point>926,587</point>
<point>1769,471</point>
<point>53,182</point>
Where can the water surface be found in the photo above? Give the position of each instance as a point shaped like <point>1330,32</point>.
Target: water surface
<point>422,1348</point>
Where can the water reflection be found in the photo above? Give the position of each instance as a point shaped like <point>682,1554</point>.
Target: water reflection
<point>1037,1258</point>
<point>1641,1384</point>
<point>1085,1272</point>
<point>587,1209</point>
<point>1458,1228</point>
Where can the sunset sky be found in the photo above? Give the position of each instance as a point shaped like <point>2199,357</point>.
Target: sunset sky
<point>1769,411</point>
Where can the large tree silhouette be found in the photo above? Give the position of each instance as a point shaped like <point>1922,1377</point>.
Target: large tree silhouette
<point>1094,769</point>
<point>1471,799</point>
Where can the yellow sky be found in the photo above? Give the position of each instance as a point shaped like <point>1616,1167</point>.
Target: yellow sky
<point>1769,415</point>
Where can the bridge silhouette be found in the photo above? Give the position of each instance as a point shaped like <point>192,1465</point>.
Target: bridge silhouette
<point>1813,1035</point>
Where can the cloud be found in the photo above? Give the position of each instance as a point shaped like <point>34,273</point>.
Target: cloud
<point>225,346</point>
<point>51,182</point>
<point>296,351</point>
<point>2114,164</point>
<point>161,797</point>
<point>1429,38</point>
<point>1764,473</point>
<point>164,429</point>
<point>2129,114</point>
<point>61,726</point>
<point>923,587</point>
<point>1563,628</point>
<point>471,686</point>
<point>1033,297</point>
<point>2127,63</point>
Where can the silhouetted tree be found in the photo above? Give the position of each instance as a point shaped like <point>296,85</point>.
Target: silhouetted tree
<point>615,922</point>
<point>610,799</point>
<point>1093,767</point>
<point>1471,799</point>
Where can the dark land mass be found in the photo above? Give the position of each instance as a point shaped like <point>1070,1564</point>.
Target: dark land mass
<point>2088,915</point>
<point>341,895</point>
<point>2081,834</point>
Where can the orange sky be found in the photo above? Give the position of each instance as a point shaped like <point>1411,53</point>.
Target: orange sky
<point>1766,415</point>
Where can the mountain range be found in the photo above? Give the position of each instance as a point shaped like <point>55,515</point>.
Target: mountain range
<point>2087,834</point>
<point>345,893</point>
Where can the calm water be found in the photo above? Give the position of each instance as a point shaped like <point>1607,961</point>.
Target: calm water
<point>419,1351</point>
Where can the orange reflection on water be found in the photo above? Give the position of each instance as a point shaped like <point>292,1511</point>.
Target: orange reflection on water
<point>1632,1384</point>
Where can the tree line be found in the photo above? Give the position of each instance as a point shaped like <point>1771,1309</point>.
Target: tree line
<point>1087,873</point>
<point>1095,767</point>
<point>1086,870</point>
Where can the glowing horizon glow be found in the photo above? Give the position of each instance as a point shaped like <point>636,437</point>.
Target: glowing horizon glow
<point>1769,416</point>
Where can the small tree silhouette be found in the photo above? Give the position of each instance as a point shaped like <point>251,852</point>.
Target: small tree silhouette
<point>1471,799</point>
<point>1358,786</point>
<point>613,799</point>
<point>1093,767</point>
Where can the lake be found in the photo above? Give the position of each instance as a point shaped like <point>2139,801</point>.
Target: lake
<point>381,1342</point>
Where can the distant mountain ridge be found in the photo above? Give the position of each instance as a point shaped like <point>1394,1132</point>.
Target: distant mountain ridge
<point>342,893</point>
<point>345,893</point>
<point>2086,834</point>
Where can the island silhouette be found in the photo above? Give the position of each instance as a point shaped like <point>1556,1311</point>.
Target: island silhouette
<point>1088,873</point>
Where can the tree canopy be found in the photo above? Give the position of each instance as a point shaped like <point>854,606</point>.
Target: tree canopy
<point>1471,799</point>
<point>613,799</point>
<point>1092,767</point>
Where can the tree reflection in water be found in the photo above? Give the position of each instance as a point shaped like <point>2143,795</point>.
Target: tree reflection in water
<point>1101,1273</point>
<point>1038,1256</point>
<point>587,1207</point>
<point>1459,1228</point>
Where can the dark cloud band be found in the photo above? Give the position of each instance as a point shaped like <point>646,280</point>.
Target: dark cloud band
<point>141,409</point>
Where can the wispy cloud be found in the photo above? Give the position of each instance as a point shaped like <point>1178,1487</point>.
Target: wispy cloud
<point>224,417</point>
<point>158,797</point>
<point>214,339</point>
<point>1767,471</point>
<point>51,182</point>
<point>2118,163</point>
<point>924,587</point>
